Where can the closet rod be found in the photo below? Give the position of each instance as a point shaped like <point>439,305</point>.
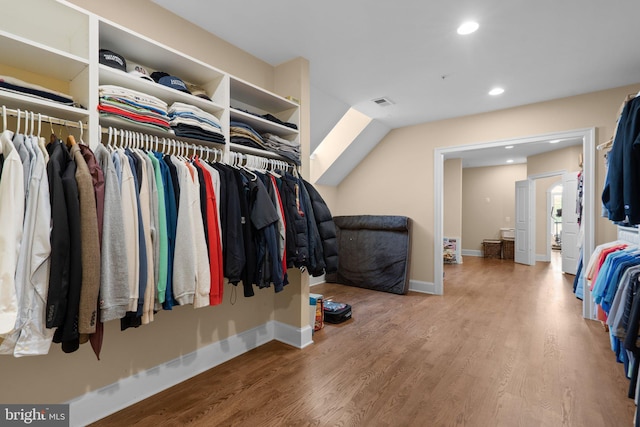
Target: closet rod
<point>169,139</point>
<point>10,112</point>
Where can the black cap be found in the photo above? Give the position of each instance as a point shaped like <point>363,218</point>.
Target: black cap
<point>112,59</point>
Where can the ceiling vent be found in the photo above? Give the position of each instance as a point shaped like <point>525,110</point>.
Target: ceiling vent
<point>383,102</point>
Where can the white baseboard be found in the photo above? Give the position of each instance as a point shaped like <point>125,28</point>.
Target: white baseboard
<point>542,258</point>
<point>316,280</point>
<point>297,337</point>
<point>424,287</point>
<point>472,252</point>
<point>107,400</point>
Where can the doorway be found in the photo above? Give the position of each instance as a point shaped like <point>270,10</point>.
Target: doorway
<point>588,222</point>
<point>554,219</point>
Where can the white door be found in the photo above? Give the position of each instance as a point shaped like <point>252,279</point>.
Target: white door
<point>524,252</point>
<point>570,227</point>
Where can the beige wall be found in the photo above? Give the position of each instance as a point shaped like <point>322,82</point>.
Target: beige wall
<point>452,198</point>
<point>488,202</point>
<point>397,176</point>
<point>59,377</point>
<point>565,159</point>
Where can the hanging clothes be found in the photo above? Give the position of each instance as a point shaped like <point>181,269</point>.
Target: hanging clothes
<point>621,193</point>
<point>120,233</point>
<point>12,195</point>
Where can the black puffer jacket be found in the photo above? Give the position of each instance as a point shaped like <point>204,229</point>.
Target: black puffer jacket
<point>297,241</point>
<point>326,229</point>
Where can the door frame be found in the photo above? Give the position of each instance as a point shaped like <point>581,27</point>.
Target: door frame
<point>588,136</point>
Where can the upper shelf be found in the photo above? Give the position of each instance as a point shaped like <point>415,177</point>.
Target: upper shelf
<point>146,52</point>
<point>52,25</point>
<point>35,57</point>
<point>112,76</point>
<point>255,96</point>
<point>262,125</point>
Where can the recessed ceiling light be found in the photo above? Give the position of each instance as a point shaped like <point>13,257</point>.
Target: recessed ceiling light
<point>509,147</point>
<point>468,27</point>
<point>510,161</point>
<point>555,141</point>
<point>496,91</point>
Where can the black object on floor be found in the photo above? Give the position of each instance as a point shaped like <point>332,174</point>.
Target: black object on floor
<point>336,312</point>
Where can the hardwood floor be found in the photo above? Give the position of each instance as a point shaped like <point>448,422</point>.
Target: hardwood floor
<point>505,346</point>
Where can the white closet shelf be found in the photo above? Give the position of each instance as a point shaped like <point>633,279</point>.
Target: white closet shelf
<point>250,94</point>
<point>112,76</point>
<point>115,122</point>
<point>146,52</point>
<point>28,55</point>
<point>263,125</point>
<point>39,105</point>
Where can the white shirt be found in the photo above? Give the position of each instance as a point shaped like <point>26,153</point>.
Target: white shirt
<point>11,219</point>
<point>30,336</point>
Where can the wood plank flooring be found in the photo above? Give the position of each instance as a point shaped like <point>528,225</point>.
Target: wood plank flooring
<point>505,346</point>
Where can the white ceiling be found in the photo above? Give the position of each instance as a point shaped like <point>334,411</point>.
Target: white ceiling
<point>409,51</point>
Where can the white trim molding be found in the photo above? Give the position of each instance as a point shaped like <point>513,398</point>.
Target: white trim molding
<point>542,258</point>
<point>107,400</point>
<point>472,252</point>
<point>423,287</point>
<point>316,280</point>
<point>296,337</point>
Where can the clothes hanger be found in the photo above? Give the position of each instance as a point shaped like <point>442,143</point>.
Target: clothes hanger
<point>109,136</point>
<point>81,131</point>
<point>39,124</point>
<point>605,145</point>
<point>71,140</point>
<point>32,124</point>
<point>18,122</point>
<point>26,123</point>
<point>53,138</point>
<point>4,118</point>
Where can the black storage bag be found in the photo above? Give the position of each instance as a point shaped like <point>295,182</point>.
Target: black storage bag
<point>336,312</point>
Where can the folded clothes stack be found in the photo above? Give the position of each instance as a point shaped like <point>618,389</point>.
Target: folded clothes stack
<point>11,84</point>
<point>284,147</point>
<point>243,134</point>
<point>133,106</point>
<point>190,121</point>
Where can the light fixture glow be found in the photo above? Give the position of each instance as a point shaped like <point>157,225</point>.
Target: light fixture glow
<point>496,91</point>
<point>510,161</point>
<point>555,141</point>
<point>508,147</point>
<point>468,27</point>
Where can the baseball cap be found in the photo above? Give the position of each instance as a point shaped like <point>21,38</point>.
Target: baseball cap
<point>112,59</point>
<point>199,92</point>
<point>174,83</point>
<point>138,71</point>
